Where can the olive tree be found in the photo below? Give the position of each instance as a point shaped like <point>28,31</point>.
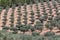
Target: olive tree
<point>34,33</point>
<point>39,26</point>
<point>49,26</point>
<point>24,29</point>
<point>49,33</point>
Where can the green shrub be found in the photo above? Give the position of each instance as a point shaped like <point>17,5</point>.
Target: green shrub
<point>35,33</point>
<point>49,33</point>
<point>26,37</point>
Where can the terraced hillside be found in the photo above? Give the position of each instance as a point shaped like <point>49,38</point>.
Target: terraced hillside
<point>44,14</point>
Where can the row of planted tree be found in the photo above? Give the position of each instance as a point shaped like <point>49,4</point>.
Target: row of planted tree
<point>38,28</point>
<point>4,35</point>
